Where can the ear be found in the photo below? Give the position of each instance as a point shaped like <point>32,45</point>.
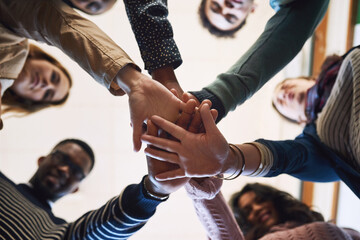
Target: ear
<point>75,190</point>
<point>40,160</point>
<point>253,7</point>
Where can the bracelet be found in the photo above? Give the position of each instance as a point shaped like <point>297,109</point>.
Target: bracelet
<point>151,195</point>
<point>241,170</point>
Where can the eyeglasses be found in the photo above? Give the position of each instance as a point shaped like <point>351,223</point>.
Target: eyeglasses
<point>62,159</point>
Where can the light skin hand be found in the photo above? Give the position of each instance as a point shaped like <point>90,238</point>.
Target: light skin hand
<point>155,167</point>
<point>198,155</point>
<point>146,98</point>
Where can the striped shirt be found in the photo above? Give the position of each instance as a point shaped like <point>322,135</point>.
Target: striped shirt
<point>24,216</point>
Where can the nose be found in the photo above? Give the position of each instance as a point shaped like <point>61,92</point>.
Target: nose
<point>64,172</point>
<point>255,209</point>
<point>46,84</point>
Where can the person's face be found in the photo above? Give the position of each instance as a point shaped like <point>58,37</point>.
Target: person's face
<point>226,15</point>
<point>290,98</point>
<point>258,213</point>
<point>61,171</point>
<point>41,81</point>
<point>93,7</point>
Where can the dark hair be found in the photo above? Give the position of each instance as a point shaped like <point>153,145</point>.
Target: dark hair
<point>287,207</point>
<point>83,145</point>
<point>282,82</point>
<point>214,30</point>
<point>15,103</point>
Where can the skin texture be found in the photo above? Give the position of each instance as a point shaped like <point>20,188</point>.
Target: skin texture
<point>147,97</point>
<point>41,81</point>
<point>55,180</point>
<point>289,98</point>
<point>226,15</point>
<point>93,7</point>
<point>258,213</point>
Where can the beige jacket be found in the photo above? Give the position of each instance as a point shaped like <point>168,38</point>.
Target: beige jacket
<point>55,23</point>
<point>13,53</point>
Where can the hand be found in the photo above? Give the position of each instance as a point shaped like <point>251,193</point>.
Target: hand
<point>146,98</point>
<point>162,188</point>
<point>198,155</point>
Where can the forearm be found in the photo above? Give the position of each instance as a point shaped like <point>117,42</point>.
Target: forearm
<point>55,23</point>
<point>247,162</point>
<point>212,210</point>
<point>120,218</point>
<point>153,33</point>
<point>283,37</point>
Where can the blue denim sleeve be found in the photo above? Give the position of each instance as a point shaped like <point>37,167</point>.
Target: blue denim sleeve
<point>303,158</point>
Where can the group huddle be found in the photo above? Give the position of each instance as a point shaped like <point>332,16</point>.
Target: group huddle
<point>184,148</point>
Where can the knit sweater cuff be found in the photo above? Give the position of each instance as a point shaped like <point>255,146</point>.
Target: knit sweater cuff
<point>216,102</point>
<point>136,204</point>
<point>206,188</point>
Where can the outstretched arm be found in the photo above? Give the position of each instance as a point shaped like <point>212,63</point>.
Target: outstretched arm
<point>201,154</point>
<point>284,36</point>
<point>119,218</point>
<point>55,23</point>
<point>212,209</point>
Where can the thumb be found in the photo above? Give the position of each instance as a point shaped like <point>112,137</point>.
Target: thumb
<point>207,119</point>
<point>137,132</point>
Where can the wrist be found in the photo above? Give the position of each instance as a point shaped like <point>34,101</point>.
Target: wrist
<point>152,191</point>
<point>128,78</point>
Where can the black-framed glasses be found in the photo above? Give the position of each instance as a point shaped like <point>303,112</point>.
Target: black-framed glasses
<point>64,159</point>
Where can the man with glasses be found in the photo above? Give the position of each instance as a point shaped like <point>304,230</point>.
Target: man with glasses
<point>25,209</point>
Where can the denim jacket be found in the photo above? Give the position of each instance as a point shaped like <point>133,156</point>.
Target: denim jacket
<point>307,158</point>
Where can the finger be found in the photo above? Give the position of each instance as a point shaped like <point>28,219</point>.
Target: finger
<point>173,91</point>
<point>185,117</point>
<point>137,132</point>
<point>207,119</point>
<point>170,175</point>
<point>195,124</point>
<point>162,155</point>
<point>176,131</point>
<point>206,101</point>
<point>163,144</point>
<point>152,129</point>
<point>214,114</point>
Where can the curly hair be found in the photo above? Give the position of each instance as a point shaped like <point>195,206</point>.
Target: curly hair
<point>287,207</point>
<point>214,30</point>
<point>23,106</point>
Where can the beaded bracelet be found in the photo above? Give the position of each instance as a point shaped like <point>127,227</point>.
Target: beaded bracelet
<point>235,174</point>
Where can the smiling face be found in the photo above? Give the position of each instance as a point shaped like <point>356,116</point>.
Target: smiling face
<point>61,171</point>
<point>93,7</point>
<point>258,213</point>
<point>41,81</point>
<point>290,98</point>
<point>226,15</point>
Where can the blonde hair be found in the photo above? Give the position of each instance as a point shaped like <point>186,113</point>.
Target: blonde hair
<point>21,106</point>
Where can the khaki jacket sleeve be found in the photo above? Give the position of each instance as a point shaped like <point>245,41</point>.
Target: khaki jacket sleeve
<point>55,23</point>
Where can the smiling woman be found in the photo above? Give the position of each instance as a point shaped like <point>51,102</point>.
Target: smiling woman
<point>258,208</point>
<point>42,82</point>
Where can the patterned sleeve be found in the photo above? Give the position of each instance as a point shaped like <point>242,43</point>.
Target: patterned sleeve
<point>153,33</point>
<point>119,218</point>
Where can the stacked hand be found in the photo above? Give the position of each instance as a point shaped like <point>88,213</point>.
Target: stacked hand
<point>157,167</point>
<point>198,152</point>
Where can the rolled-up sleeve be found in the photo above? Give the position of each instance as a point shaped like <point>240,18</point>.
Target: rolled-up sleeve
<point>55,23</point>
